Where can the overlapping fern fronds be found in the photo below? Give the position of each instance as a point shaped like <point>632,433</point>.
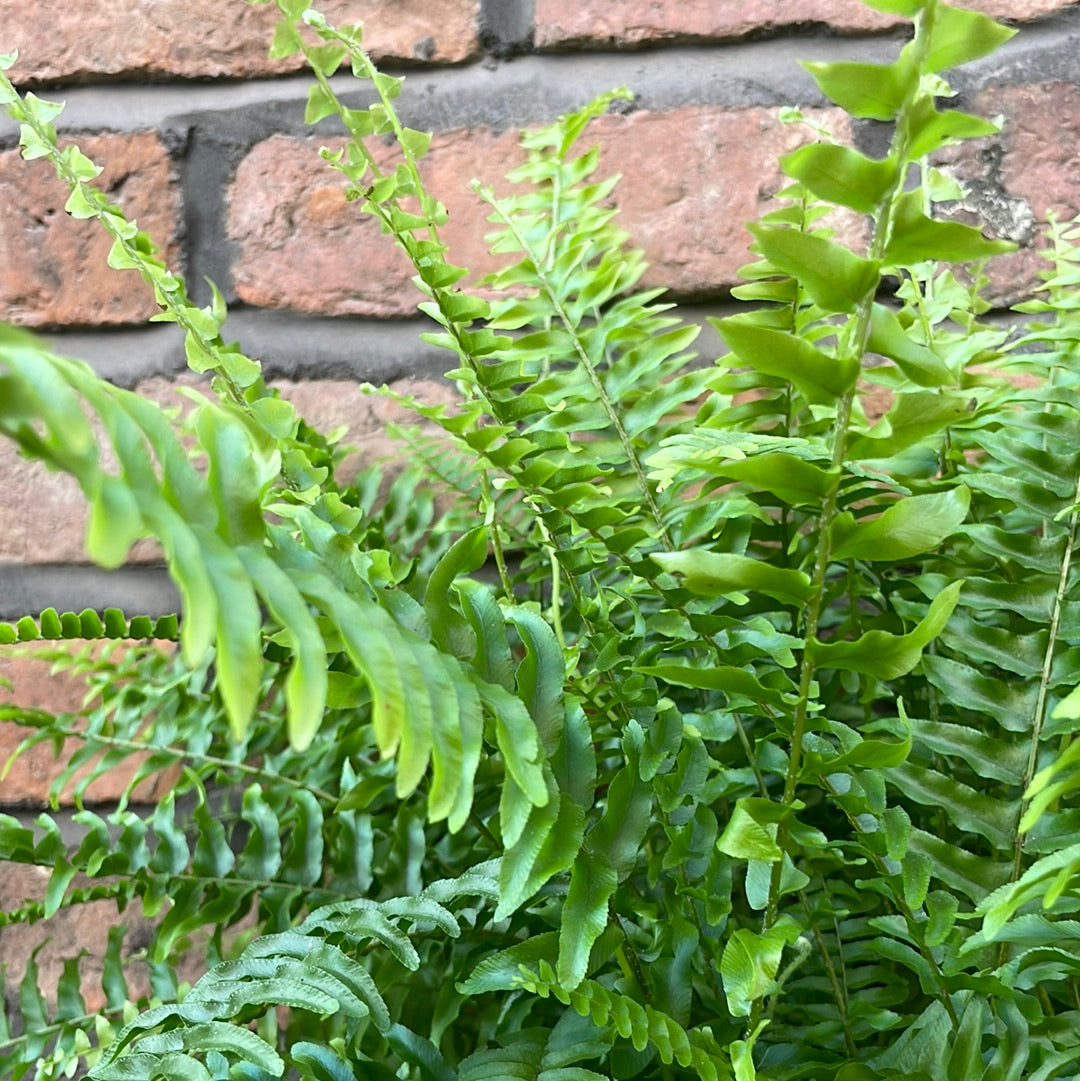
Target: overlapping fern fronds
<point>756,760</point>
<point>301,615</point>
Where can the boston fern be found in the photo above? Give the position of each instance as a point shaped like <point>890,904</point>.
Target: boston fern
<point>666,720</point>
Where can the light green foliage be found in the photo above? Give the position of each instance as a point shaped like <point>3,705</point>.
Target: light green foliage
<point>755,760</point>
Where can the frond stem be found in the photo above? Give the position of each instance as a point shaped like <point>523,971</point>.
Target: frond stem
<point>181,754</point>
<point>1038,718</point>
<point>590,370</point>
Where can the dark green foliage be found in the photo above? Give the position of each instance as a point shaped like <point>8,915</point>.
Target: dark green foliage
<point>757,758</point>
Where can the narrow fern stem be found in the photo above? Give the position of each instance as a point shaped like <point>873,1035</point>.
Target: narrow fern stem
<point>369,159</point>
<point>482,828</point>
<point>635,968</point>
<point>141,877</point>
<point>492,523</point>
<point>182,754</point>
<point>914,925</point>
<point>808,669</point>
<point>176,304</point>
<point>120,891</point>
<point>128,888</point>
<point>481,494</point>
<point>544,278</point>
<point>547,524</point>
<point>339,108</point>
<point>1039,713</point>
<point>404,238</point>
<point>314,896</point>
<point>839,989</point>
<point>924,295</point>
<point>500,560</point>
<point>371,73</point>
<point>83,1022</point>
<point>748,750</point>
<point>822,559</point>
<point>169,289</point>
<point>852,342</point>
<point>556,590</point>
<point>803,950</point>
<point>556,205</point>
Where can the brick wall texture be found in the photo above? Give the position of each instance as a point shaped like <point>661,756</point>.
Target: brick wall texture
<point>203,141</point>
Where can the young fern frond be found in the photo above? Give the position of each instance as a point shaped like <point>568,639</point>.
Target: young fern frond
<point>551,295</point>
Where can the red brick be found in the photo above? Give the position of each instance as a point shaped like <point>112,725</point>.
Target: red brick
<point>627,23</point>
<point>210,38</point>
<point>35,686</point>
<point>52,267</point>
<point>691,221</point>
<point>301,246</point>
<point>80,931</point>
<point>1030,169</point>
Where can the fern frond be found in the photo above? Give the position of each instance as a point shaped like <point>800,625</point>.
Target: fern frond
<point>319,968</point>
<point>641,1025</point>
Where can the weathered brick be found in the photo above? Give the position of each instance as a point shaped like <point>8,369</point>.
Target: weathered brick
<point>301,246</point>
<point>52,267</point>
<point>208,38</point>
<point>78,931</point>
<point>629,23</point>
<point>35,686</point>
<point>1017,177</point>
<point>83,929</point>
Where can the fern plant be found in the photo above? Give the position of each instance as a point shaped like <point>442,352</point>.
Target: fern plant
<point>752,755</point>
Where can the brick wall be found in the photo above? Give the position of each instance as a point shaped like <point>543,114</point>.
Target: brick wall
<point>204,142</point>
